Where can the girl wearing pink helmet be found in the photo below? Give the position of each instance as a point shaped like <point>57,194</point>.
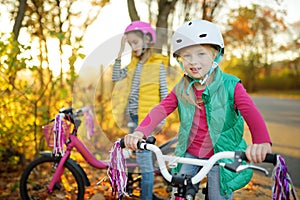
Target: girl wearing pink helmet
<point>212,106</point>
<point>141,45</point>
<point>146,84</point>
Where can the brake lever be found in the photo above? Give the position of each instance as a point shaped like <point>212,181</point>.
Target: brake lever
<point>244,167</point>
<point>238,166</point>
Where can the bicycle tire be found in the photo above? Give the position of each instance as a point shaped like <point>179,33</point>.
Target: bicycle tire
<point>38,174</point>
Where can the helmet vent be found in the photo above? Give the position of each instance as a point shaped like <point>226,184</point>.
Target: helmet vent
<point>202,35</point>
<point>179,40</point>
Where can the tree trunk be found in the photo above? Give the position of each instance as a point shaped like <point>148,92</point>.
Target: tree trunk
<point>132,10</point>
<point>19,18</point>
<point>165,7</point>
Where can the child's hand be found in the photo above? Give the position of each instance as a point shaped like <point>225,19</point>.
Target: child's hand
<point>131,140</point>
<point>122,47</point>
<point>123,41</point>
<point>256,153</point>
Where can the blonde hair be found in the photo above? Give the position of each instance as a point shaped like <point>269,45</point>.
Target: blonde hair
<point>181,91</point>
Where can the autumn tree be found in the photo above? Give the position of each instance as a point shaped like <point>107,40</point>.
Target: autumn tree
<point>291,48</point>
<point>54,31</point>
<point>12,99</point>
<point>250,37</point>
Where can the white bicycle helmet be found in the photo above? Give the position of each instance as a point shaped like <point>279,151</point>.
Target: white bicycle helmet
<point>197,32</point>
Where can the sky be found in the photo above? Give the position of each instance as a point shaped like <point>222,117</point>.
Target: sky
<point>113,19</point>
<point>292,7</point>
<point>107,30</point>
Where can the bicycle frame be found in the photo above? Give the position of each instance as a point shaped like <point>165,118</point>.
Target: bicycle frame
<point>74,142</point>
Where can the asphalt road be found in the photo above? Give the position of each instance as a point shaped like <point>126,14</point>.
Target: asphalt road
<point>283,121</point>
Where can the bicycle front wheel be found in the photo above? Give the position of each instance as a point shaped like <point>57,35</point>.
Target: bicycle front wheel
<point>37,176</point>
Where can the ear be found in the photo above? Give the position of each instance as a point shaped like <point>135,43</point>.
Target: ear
<point>148,39</point>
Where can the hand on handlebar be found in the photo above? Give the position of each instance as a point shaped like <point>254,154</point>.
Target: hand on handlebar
<point>256,153</point>
<point>131,140</point>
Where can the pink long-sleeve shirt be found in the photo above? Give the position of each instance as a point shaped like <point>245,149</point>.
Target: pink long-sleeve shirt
<point>200,144</point>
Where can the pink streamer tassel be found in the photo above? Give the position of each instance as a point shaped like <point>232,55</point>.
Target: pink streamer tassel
<point>283,188</point>
<point>117,171</point>
<point>58,146</point>
<point>89,122</point>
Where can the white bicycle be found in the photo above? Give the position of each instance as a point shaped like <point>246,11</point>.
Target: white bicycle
<point>183,182</point>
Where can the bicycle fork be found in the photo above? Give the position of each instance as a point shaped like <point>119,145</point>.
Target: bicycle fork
<point>58,171</point>
<point>185,189</point>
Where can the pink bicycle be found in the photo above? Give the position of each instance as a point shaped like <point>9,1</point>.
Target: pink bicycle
<point>55,175</point>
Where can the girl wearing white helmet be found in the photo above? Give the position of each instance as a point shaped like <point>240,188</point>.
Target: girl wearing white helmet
<point>212,106</point>
<point>146,86</point>
<point>190,34</point>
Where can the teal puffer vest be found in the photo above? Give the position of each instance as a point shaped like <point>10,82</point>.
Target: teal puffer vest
<point>225,124</point>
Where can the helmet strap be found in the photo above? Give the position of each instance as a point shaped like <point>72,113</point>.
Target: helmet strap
<point>214,65</point>
<point>207,75</point>
<point>144,46</point>
<point>190,85</point>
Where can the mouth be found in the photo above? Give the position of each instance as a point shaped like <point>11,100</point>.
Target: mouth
<point>195,70</point>
<point>136,52</point>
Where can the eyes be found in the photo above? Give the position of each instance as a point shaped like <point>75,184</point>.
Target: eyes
<point>134,42</point>
<point>189,56</point>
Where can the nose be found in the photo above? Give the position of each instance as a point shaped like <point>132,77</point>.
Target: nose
<point>192,61</point>
<point>132,46</point>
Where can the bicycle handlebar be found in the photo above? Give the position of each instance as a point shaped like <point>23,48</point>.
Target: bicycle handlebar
<point>270,158</point>
<point>207,164</point>
<point>73,116</point>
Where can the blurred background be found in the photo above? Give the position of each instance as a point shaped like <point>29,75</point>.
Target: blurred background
<point>58,53</point>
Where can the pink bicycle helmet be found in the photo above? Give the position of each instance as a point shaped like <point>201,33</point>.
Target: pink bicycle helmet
<point>144,27</point>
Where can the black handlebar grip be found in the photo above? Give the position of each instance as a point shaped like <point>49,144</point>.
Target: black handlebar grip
<point>270,158</point>
<point>122,144</point>
<point>66,110</point>
<point>150,140</point>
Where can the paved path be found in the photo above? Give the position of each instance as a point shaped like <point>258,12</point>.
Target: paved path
<point>283,120</point>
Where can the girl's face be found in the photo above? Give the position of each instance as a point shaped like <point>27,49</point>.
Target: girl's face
<point>197,60</point>
<point>136,43</point>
